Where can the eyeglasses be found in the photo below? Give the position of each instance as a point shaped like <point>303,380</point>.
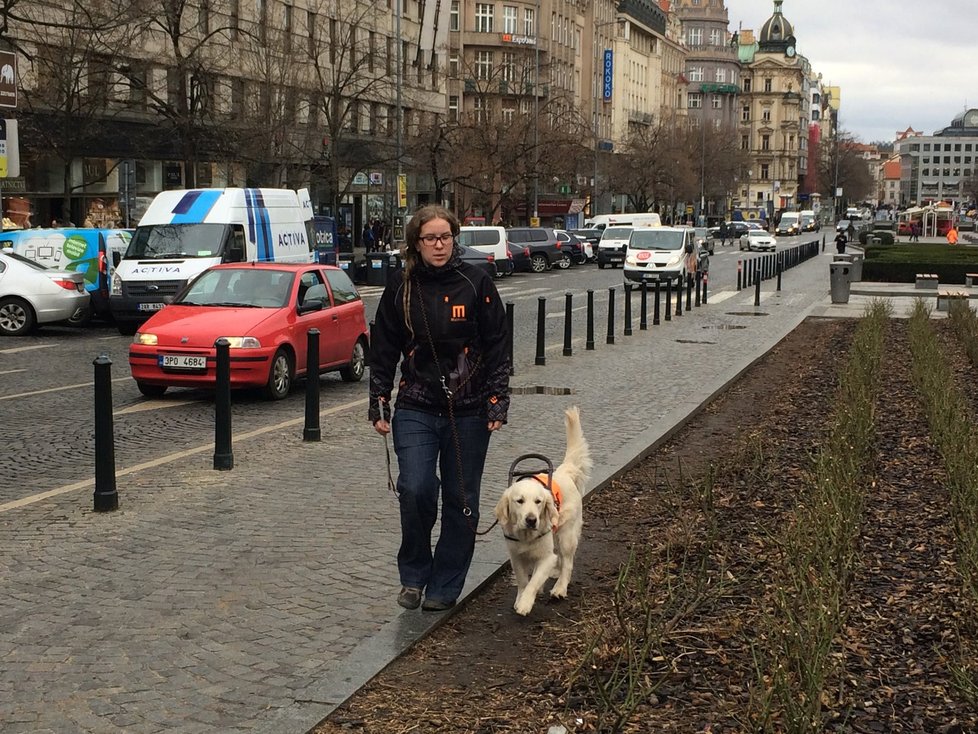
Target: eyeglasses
<point>431,239</point>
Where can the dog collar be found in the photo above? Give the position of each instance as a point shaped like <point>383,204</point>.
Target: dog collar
<point>520,540</point>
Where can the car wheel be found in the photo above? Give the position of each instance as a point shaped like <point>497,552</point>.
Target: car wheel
<point>81,317</point>
<point>127,328</point>
<point>600,266</point>
<point>538,263</point>
<point>151,391</point>
<point>564,262</point>
<point>353,372</point>
<point>16,317</point>
<point>279,376</point>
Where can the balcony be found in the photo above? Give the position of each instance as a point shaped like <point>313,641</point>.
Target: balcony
<point>718,88</point>
<point>639,118</point>
<point>712,52</point>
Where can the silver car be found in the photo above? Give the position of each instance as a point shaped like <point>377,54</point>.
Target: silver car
<point>31,294</point>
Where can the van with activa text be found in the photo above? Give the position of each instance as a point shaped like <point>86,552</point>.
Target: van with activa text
<point>184,232</point>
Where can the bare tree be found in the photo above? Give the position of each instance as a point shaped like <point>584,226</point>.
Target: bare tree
<point>840,165</point>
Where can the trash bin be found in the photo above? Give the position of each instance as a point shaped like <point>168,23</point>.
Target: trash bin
<point>839,280</point>
<point>856,274</point>
<point>377,268</point>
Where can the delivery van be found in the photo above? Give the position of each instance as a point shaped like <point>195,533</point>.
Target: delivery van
<point>789,224</point>
<point>808,221</point>
<point>184,232</point>
<point>635,219</point>
<point>84,250</point>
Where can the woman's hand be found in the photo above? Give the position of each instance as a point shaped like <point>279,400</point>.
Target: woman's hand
<point>383,427</point>
<point>494,425</point>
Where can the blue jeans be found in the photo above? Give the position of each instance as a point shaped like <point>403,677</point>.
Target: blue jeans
<point>424,443</point>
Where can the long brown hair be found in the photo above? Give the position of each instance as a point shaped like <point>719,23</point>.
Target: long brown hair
<point>412,248</point>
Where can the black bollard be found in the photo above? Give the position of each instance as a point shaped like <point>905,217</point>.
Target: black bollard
<point>823,243</point>
<point>655,306</point>
<point>106,497</point>
<point>706,281</point>
<point>689,291</point>
<point>311,430</point>
<point>643,319</point>
<point>589,342</point>
<point>541,358</point>
<point>779,276</point>
<point>699,286</point>
<point>568,309</point>
<point>757,290</point>
<point>679,296</point>
<point>739,274</point>
<point>610,339</point>
<point>628,310</point>
<point>509,336</point>
<point>223,456</point>
<point>669,299</point>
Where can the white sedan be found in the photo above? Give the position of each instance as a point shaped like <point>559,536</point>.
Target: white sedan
<point>758,240</point>
<point>31,294</point>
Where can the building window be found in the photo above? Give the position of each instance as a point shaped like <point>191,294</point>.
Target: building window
<point>509,19</point>
<point>715,37</point>
<point>695,37</point>
<point>481,109</point>
<point>483,17</point>
<point>768,85</point>
<point>745,113</point>
<point>696,73</point>
<point>720,75</point>
<point>233,19</point>
<point>746,84</point>
<point>766,115</point>
<point>203,17</point>
<point>509,66</point>
<point>453,16</point>
<point>716,101</point>
<point>453,66</point>
<point>509,112</point>
<point>695,100</point>
<point>765,142</point>
<point>529,22</point>
<point>262,20</point>
<point>483,64</point>
<point>765,171</point>
<point>311,35</point>
<point>745,142</point>
<point>287,18</point>
<point>453,108</point>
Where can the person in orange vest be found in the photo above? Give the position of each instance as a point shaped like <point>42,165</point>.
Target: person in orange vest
<point>952,236</point>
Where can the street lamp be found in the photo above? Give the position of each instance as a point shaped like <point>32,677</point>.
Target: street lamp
<point>536,119</point>
<point>597,93</point>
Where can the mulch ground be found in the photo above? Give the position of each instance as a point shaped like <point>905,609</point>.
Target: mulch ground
<point>698,522</point>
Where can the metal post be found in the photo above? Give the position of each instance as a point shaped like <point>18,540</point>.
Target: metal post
<point>669,299</point>
<point>779,276</point>
<point>689,292</point>
<point>757,291</point>
<point>679,296</point>
<point>610,339</point>
<point>699,286</point>
<point>655,306</point>
<point>643,319</point>
<point>311,430</point>
<point>509,336</point>
<point>628,309</point>
<point>568,309</point>
<point>541,358</point>
<point>106,498</point>
<point>739,273</point>
<point>589,342</point>
<point>223,456</point>
<point>706,281</point>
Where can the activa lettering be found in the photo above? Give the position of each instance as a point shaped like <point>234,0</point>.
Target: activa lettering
<point>158,269</point>
<point>292,239</point>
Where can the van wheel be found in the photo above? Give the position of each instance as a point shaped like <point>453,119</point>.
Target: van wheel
<point>280,376</point>
<point>151,391</point>
<point>538,263</point>
<point>600,266</point>
<point>16,317</point>
<point>353,372</point>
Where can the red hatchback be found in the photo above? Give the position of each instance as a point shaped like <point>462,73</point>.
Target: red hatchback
<point>265,310</point>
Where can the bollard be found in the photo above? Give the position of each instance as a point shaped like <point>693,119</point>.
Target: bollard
<point>669,299</point>
<point>589,343</point>
<point>679,296</point>
<point>223,456</point>
<point>779,276</point>
<point>568,309</point>
<point>610,339</point>
<point>823,243</point>
<point>106,498</point>
<point>706,281</point>
<point>739,263</point>
<point>628,310</point>
<point>541,358</point>
<point>699,286</point>
<point>757,291</point>
<point>643,319</point>
<point>689,291</point>
<point>311,430</point>
<point>509,337</point>
<point>655,306</point>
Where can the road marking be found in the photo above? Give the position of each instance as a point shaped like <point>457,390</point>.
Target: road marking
<point>56,389</point>
<point>85,483</point>
<point>10,372</point>
<point>154,405</point>
<point>719,297</point>
<point>14,350</point>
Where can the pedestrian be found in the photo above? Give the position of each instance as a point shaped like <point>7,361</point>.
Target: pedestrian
<point>367,237</point>
<point>444,321</point>
<point>377,230</point>
<point>915,231</point>
<point>840,243</point>
<point>952,235</point>
<point>723,234</point>
<point>851,232</point>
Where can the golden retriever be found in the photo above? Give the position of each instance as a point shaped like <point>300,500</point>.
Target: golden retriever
<point>542,538</point>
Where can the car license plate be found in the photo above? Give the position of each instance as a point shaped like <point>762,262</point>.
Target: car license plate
<point>182,362</point>
<point>150,306</point>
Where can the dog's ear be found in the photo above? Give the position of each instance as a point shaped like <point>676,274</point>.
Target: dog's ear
<point>550,514</point>
<point>502,509</point>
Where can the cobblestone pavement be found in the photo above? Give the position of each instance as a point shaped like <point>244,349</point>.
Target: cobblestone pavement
<point>259,599</point>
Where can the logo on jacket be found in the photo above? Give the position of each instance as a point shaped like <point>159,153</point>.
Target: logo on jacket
<point>458,313</point>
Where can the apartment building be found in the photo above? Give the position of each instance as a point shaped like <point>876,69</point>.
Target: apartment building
<point>712,65</point>
<point>934,167</point>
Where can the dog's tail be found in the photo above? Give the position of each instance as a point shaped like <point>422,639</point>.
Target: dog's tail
<point>577,460</point>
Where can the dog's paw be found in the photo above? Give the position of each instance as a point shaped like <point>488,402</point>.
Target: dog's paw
<point>558,592</point>
<point>523,606</point>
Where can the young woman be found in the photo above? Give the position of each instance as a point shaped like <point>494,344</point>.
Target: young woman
<point>443,320</point>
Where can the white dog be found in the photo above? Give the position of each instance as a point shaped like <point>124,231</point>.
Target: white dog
<point>537,522</point>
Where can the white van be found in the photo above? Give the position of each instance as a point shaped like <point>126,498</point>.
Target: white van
<point>184,232</point>
<point>612,246</point>
<point>789,224</point>
<point>490,240</point>
<point>635,219</point>
<point>661,254</point>
<point>808,221</point>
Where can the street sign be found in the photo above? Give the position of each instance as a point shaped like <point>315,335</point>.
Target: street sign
<point>8,79</point>
<point>9,149</point>
<point>402,190</point>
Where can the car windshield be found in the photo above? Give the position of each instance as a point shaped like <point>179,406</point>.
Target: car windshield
<point>162,241</point>
<point>616,233</point>
<point>656,239</point>
<point>240,288</point>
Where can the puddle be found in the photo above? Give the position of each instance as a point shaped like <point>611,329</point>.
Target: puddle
<point>725,326</point>
<point>539,390</point>
<point>746,313</point>
<point>692,341</point>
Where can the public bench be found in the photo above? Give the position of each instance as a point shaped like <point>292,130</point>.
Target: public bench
<point>947,296</point>
<point>971,279</point>
<point>926,280</point>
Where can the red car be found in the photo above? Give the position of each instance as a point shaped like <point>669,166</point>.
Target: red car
<point>265,310</point>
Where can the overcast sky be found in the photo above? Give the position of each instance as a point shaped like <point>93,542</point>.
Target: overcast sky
<point>899,63</point>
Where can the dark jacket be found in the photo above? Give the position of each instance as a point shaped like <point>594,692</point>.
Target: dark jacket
<point>469,330</point>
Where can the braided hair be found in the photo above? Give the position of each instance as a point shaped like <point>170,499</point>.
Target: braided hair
<point>412,249</point>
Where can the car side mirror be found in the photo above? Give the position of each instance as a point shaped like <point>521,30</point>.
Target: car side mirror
<point>688,247</point>
<point>116,258</point>
<point>315,299</point>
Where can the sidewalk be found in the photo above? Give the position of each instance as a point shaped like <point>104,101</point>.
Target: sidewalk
<point>259,599</point>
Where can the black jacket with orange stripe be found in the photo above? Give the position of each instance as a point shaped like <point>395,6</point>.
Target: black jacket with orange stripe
<point>467,320</point>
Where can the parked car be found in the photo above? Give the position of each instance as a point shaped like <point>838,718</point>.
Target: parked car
<point>575,249</point>
<point>661,254</point>
<point>32,295</point>
<point>486,261</point>
<point>490,240</point>
<point>265,310</point>
<point>592,236</point>
<point>758,240</point>
<point>734,230</point>
<point>842,225</point>
<point>520,255</point>
<point>545,248</point>
<point>611,248</point>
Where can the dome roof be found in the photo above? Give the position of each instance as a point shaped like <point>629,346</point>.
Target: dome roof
<point>776,30</point>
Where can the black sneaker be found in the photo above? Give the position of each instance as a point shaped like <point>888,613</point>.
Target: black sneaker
<point>410,597</point>
<point>437,605</point>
